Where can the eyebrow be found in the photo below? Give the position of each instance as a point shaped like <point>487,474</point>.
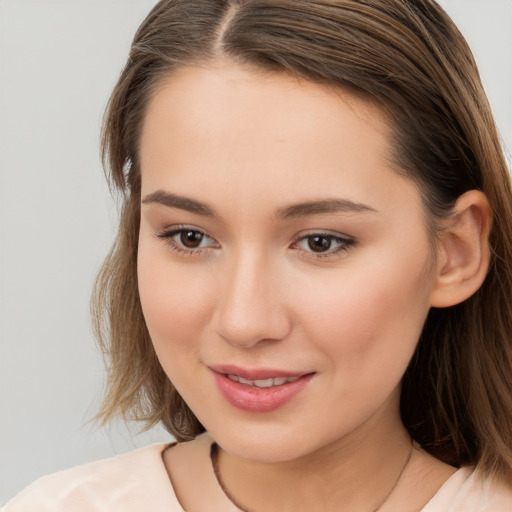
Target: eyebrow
<point>175,201</point>
<point>323,206</point>
<point>333,205</point>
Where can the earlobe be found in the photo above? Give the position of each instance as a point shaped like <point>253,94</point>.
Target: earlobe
<point>463,253</point>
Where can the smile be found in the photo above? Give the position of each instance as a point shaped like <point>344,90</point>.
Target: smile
<point>263,383</point>
<point>259,390</point>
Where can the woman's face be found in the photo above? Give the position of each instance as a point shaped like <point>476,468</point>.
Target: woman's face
<point>278,246</point>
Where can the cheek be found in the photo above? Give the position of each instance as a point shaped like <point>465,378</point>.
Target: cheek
<point>369,319</point>
<point>175,303</point>
<point>367,330</point>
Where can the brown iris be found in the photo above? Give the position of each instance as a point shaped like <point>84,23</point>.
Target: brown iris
<point>319,243</point>
<point>191,239</point>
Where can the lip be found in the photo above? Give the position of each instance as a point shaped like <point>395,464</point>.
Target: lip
<point>252,398</point>
<point>255,374</point>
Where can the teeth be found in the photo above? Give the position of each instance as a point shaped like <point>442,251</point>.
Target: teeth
<point>263,383</point>
<point>266,383</point>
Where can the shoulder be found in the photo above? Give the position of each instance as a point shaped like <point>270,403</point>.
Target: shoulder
<point>130,482</point>
<point>467,490</point>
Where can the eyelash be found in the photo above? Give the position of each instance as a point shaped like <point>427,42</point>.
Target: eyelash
<point>168,237</point>
<point>345,243</point>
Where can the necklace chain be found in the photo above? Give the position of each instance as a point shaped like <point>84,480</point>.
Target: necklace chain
<point>398,478</point>
<point>214,456</point>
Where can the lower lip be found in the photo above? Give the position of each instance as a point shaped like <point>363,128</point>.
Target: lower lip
<point>254,399</point>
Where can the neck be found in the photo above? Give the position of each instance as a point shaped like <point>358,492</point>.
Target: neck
<point>358,472</point>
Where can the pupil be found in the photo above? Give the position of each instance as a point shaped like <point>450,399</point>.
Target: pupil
<point>319,243</point>
<point>191,239</point>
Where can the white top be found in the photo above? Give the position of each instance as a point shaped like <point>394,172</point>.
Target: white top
<point>138,482</point>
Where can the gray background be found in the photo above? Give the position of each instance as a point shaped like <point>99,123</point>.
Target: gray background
<point>59,59</point>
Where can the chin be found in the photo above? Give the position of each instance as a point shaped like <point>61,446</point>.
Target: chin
<point>269,443</point>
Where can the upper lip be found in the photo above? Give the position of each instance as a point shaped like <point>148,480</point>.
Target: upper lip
<point>255,373</point>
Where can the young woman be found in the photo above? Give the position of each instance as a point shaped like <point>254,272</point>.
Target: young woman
<point>311,284</point>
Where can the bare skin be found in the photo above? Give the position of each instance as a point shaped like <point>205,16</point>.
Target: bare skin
<point>335,479</point>
<point>244,148</point>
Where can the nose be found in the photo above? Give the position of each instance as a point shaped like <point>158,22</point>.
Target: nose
<point>252,308</point>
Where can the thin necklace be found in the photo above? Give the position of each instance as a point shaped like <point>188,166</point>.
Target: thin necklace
<point>214,456</point>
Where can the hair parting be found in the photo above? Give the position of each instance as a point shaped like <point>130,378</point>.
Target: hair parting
<point>406,56</point>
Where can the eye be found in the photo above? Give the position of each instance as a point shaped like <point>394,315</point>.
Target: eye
<point>191,239</point>
<point>323,244</point>
<point>187,240</point>
<point>319,243</point>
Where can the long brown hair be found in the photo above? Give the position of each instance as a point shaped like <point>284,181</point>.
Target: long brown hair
<point>409,58</point>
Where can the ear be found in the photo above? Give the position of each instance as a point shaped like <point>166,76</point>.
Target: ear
<point>463,253</point>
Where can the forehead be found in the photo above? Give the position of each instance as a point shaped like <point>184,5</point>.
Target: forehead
<point>250,133</point>
<point>289,107</point>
